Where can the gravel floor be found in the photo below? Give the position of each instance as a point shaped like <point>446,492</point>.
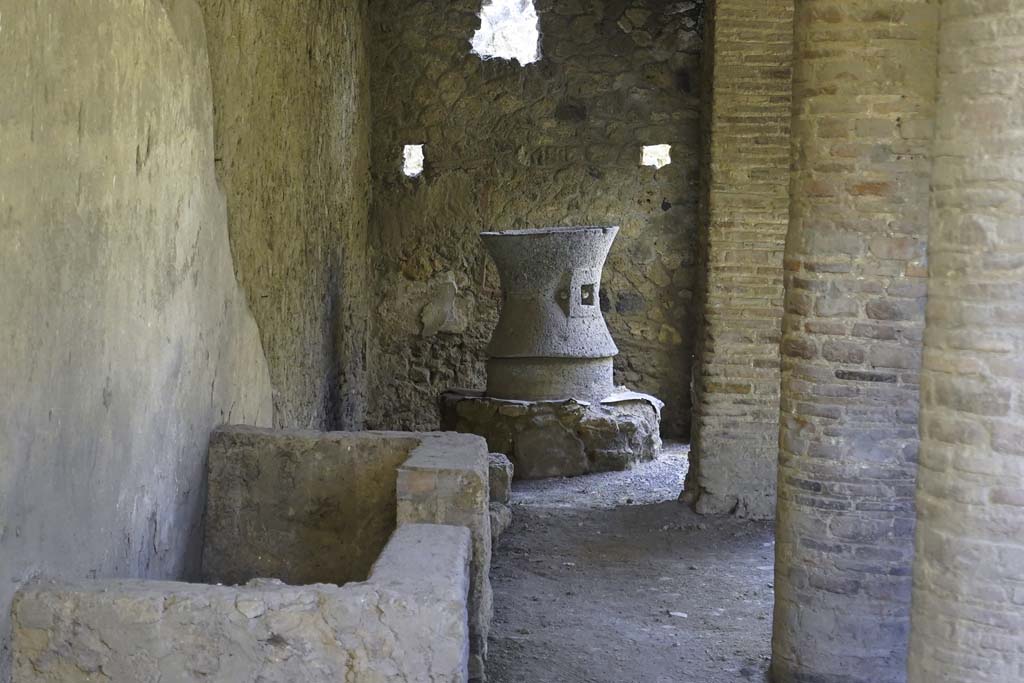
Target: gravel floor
<point>652,482</point>
<point>607,579</point>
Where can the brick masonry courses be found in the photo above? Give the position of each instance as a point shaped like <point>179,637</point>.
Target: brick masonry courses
<point>968,603</point>
<point>864,93</point>
<point>748,62</point>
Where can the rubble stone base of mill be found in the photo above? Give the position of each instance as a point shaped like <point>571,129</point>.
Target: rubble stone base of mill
<point>560,438</point>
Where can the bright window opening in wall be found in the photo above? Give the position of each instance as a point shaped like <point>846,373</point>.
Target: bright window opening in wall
<point>413,158</point>
<point>657,155</point>
<point>508,30</point>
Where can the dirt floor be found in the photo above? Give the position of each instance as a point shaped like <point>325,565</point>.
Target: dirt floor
<point>607,579</point>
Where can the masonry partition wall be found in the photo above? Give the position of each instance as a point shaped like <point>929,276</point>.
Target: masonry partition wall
<point>968,606</point>
<point>863,91</point>
<point>864,106</point>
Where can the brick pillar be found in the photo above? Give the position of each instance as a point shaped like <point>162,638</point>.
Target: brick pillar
<point>749,52</point>
<point>968,615</point>
<point>864,92</point>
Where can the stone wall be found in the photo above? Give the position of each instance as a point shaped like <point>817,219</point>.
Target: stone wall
<point>748,59</point>
<point>968,605</point>
<point>313,507</point>
<point>292,113</point>
<point>125,335</point>
<point>864,92</point>
<point>557,142</point>
<point>300,506</point>
<point>406,623</point>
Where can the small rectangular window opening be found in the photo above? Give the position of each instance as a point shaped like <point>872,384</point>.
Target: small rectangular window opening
<point>657,155</point>
<point>587,295</point>
<point>413,160</point>
<point>508,30</point>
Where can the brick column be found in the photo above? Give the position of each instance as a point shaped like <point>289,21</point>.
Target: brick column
<point>748,53</point>
<point>864,77</point>
<point>968,615</point>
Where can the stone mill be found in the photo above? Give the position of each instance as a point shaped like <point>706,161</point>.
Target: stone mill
<point>551,404</point>
<point>551,341</point>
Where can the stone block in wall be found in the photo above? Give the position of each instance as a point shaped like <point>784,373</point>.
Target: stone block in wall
<point>500,469</point>
<point>445,481</point>
<point>501,519</point>
<point>407,622</point>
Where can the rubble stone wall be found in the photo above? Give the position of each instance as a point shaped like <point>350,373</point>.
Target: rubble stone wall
<point>557,142</point>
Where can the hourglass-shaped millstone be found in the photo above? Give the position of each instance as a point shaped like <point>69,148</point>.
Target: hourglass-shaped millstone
<point>551,341</point>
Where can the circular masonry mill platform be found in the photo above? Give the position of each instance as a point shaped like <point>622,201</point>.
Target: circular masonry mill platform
<point>560,438</point>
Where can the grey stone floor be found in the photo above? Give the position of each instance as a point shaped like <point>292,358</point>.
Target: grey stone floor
<point>607,579</point>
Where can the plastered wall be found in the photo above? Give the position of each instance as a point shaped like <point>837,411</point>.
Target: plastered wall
<point>291,95</point>
<point>125,336</point>
<point>557,142</point>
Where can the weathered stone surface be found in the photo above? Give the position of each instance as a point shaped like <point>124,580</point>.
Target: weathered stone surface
<point>560,438</point>
<point>555,143</point>
<point>291,86</point>
<point>445,481</point>
<point>849,404</point>
<point>551,341</point>
<point>748,62</point>
<point>545,447</point>
<point>125,336</point>
<point>317,507</point>
<point>500,471</point>
<point>501,518</point>
<point>300,506</point>
<point>408,622</point>
<point>967,624</point>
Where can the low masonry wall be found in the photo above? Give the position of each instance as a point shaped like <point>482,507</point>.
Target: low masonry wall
<point>315,507</point>
<point>311,511</point>
<point>408,622</point>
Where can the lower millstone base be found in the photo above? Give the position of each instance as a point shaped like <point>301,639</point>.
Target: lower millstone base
<point>560,438</point>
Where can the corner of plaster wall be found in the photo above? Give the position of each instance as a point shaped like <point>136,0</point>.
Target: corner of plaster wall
<point>246,357</point>
<point>243,355</point>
